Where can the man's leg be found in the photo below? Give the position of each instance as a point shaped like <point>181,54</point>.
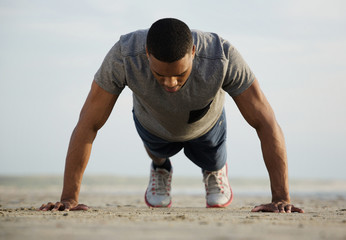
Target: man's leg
<point>156,160</point>
<point>209,153</point>
<point>158,193</point>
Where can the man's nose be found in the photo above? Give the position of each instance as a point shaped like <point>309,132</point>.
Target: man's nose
<point>170,82</point>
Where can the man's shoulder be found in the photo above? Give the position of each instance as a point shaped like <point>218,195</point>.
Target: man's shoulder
<point>133,43</point>
<point>210,45</point>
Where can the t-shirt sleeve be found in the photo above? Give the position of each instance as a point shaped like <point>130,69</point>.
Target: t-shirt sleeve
<point>239,76</point>
<point>111,74</point>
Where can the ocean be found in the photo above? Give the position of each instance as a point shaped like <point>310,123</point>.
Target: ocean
<point>122,185</point>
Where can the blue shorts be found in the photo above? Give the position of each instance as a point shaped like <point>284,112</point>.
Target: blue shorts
<point>208,151</point>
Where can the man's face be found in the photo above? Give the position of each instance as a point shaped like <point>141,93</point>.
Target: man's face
<point>172,76</point>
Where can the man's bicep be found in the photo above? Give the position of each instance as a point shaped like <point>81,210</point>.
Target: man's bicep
<point>97,107</point>
<point>254,106</point>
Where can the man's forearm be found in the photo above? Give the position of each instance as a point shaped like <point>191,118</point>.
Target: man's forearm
<point>76,161</point>
<point>275,158</point>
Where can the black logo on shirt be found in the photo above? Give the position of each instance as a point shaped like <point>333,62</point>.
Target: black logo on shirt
<point>196,115</point>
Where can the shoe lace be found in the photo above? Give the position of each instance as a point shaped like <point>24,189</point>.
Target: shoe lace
<point>162,182</point>
<point>213,182</point>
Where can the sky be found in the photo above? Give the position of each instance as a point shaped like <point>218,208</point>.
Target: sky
<point>50,51</point>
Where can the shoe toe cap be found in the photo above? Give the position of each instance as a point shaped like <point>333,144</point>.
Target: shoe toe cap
<point>218,200</point>
<point>158,201</point>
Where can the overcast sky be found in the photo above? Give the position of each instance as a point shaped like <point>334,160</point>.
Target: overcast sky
<point>50,51</point>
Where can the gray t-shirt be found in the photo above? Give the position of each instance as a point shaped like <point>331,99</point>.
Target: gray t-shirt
<point>195,108</point>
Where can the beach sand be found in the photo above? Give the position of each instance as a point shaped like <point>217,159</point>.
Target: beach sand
<point>118,211</point>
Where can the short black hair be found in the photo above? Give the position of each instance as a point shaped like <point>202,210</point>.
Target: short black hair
<point>169,40</point>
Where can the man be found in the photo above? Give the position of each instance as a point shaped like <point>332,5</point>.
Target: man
<point>178,78</point>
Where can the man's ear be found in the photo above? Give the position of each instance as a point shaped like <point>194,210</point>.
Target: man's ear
<point>193,51</point>
<point>146,50</point>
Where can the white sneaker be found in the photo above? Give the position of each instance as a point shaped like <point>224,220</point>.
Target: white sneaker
<point>218,190</point>
<point>158,193</point>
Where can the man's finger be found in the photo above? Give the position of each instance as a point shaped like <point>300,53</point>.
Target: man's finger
<point>265,208</point>
<point>47,207</point>
<point>288,208</point>
<point>295,209</point>
<point>281,208</point>
<point>79,207</point>
<point>58,207</point>
<point>42,206</point>
<point>256,209</point>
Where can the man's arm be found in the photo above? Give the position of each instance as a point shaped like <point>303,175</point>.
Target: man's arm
<point>257,111</point>
<point>94,114</point>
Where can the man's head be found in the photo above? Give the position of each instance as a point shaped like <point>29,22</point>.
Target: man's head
<point>170,52</point>
<point>169,40</point>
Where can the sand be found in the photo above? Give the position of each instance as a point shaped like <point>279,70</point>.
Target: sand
<point>118,211</point>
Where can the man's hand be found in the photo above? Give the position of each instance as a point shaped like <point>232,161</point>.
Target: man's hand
<point>277,207</point>
<point>69,205</point>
